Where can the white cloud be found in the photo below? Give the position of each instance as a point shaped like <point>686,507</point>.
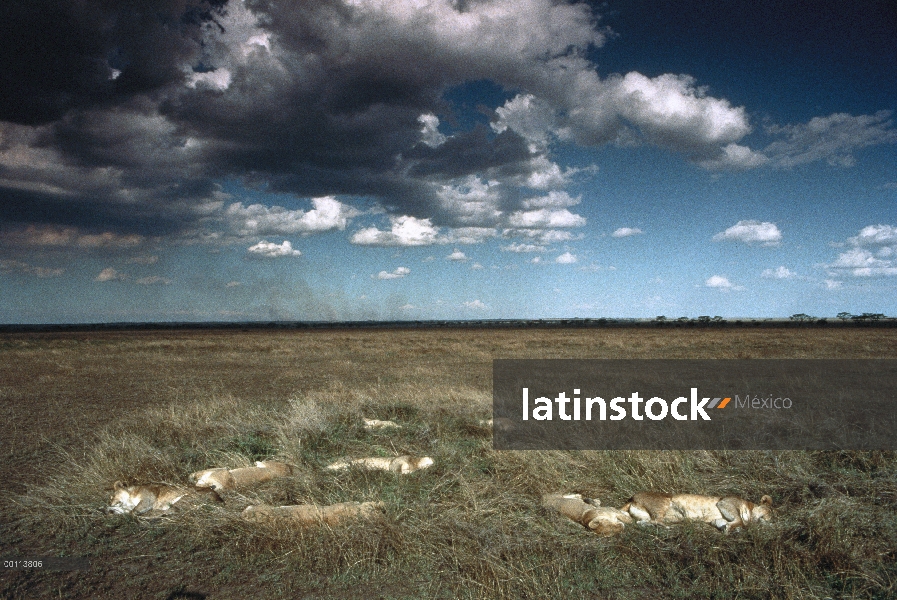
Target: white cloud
<point>328,214</point>
<point>778,273</point>
<point>565,259</point>
<point>405,231</point>
<point>831,284</point>
<point>721,283</point>
<point>233,284</point>
<point>545,219</point>
<point>670,108</point>
<point>429,133</point>
<point>476,267</point>
<point>519,247</point>
<point>554,199</point>
<point>536,260</point>
<point>862,263</point>
<point>397,274</point>
<point>110,274</point>
<point>878,235</point>
<point>475,305</point>
<point>532,118</point>
<point>735,157</point>
<point>626,232</point>
<point>219,79</point>
<point>751,232</point>
<point>873,253</point>
<point>833,138</point>
<point>456,256</point>
<point>272,250</point>
<point>471,201</point>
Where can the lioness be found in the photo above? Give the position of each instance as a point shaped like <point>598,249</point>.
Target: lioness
<point>373,424</point>
<point>604,521</point>
<point>141,499</point>
<point>222,479</point>
<point>312,514</point>
<point>724,513</point>
<point>401,464</point>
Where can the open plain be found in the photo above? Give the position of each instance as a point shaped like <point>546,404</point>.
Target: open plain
<point>82,410</point>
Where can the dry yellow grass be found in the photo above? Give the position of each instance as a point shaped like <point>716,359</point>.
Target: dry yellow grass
<point>85,410</point>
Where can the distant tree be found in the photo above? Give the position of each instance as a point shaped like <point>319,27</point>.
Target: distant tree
<point>682,319</point>
<point>801,317</point>
<point>660,318</point>
<point>704,319</point>
<point>844,316</point>
<point>717,319</point>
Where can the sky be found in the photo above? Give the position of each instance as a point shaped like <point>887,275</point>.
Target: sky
<point>244,160</point>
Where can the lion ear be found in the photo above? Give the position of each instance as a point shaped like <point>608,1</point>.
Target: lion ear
<point>766,500</point>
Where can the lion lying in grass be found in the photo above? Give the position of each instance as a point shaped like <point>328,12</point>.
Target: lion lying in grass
<point>223,479</point>
<point>142,499</point>
<point>376,424</point>
<point>401,464</point>
<point>311,515</point>
<point>589,513</point>
<point>724,513</point>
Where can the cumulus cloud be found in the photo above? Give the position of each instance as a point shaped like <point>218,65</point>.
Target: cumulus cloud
<point>565,259</point>
<point>272,250</point>
<point>475,305</point>
<point>110,274</point>
<point>751,232</point>
<point>328,214</point>
<point>778,273</point>
<point>405,231</point>
<point>546,219</point>
<point>873,252</point>
<point>626,232</point>
<point>721,283</point>
<point>397,274</point>
<point>126,122</point>
<point>456,256</point>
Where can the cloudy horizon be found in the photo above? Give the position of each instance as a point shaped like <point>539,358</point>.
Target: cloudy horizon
<point>403,159</point>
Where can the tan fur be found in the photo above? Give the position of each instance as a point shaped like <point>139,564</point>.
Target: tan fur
<point>501,424</point>
<point>142,499</point>
<point>222,479</point>
<point>604,521</point>
<point>311,515</point>
<point>725,513</point>
<point>374,424</point>
<point>400,464</point>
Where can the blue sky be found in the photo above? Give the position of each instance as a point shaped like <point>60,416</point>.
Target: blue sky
<point>365,159</point>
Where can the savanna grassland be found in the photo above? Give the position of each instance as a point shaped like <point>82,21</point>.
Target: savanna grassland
<point>83,410</point>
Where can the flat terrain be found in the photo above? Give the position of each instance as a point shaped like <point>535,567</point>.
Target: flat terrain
<point>82,410</point>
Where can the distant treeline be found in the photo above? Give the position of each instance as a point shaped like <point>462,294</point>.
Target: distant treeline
<point>799,320</point>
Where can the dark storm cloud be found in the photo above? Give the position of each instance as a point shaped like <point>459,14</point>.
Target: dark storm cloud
<point>145,105</point>
<point>61,55</point>
<point>22,207</point>
<point>473,152</point>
